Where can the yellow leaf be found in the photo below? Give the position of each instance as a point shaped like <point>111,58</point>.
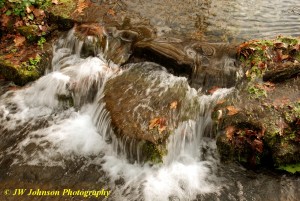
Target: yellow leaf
<point>153,123</point>
<point>173,105</point>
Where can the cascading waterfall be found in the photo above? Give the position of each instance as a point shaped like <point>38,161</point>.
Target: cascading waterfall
<point>63,116</point>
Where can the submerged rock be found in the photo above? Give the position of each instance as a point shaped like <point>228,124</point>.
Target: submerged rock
<point>146,104</point>
<point>260,124</point>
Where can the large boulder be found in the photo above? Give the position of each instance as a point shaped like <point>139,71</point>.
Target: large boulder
<point>146,104</point>
<point>260,124</point>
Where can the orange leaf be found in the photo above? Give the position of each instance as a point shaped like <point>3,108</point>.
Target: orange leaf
<point>19,40</point>
<point>158,122</point>
<point>232,110</point>
<point>229,132</point>
<point>213,89</point>
<point>81,6</point>
<point>153,123</point>
<point>8,56</point>
<point>173,105</point>
<point>221,101</point>
<point>161,129</point>
<point>111,12</point>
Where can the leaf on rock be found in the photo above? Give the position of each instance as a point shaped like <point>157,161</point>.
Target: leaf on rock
<point>159,123</point>
<point>229,132</point>
<point>111,12</point>
<point>39,13</point>
<point>55,2</point>
<point>19,40</point>
<point>173,105</point>
<point>258,145</point>
<point>81,6</point>
<point>4,20</point>
<point>232,110</point>
<point>219,102</point>
<point>29,9</point>
<point>213,89</point>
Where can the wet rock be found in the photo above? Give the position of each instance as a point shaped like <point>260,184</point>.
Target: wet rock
<point>259,124</point>
<point>146,104</point>
<point>206,65</point>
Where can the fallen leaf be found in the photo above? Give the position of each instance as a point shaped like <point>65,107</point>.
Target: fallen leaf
<point>80,7</point>
<point>232,110</point>
<point>19,23</point>
<point>4,20</point>
<point>29,9</point>
<point>280,102</point>
<point>282,126</point>
<point>258,145</point>
<point>111,12</point>
<point>39,13</point>
<point>161,129</point>
<point>55,2</point>
<point>213,89</point>
<point>8,56</point>
<point>19,40</point>
<point>158,122</point>
<point>221,101</point>
<point>229,132</point>
<point>173,105</point>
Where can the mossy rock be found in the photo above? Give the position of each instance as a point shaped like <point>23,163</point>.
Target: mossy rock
<point>29,32</point>
<point>259,125</point>
<point>139,102</point>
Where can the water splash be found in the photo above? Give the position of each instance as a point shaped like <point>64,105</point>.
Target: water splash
<point>63,116</point>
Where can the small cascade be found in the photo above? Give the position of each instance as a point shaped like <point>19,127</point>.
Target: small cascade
<point>63,117</point>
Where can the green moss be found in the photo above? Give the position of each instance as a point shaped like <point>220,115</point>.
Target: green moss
<point>152,152</point>
<point>21,74</point>
<point>256,92</point>
<point>65,9</point>
<point>291,168</point>
<point>288,40</point>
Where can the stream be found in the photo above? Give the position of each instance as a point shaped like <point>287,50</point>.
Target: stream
<point>56,132</point>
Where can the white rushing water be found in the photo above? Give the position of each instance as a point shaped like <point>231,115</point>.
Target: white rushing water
<point>65,118</point>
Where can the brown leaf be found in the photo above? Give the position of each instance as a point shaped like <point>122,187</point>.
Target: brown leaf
<point>229,132</point>
<point>111,12</point>
<point>221,101</point>
<point>258,145</point>
<point>280,102</point>
<point>282,126</point>
<point>19,23</point>
<point>232,110</point>
<point>39,13</point>
<point>19,40</point>
<point>173,105</point>
<point>29,9</point>
<point>80,7</point>
<point>4,20</point>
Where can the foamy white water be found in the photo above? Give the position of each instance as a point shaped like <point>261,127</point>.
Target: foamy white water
<point>66,118</point>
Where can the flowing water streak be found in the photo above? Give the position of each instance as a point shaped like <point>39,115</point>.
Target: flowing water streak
<point>69,132</point>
